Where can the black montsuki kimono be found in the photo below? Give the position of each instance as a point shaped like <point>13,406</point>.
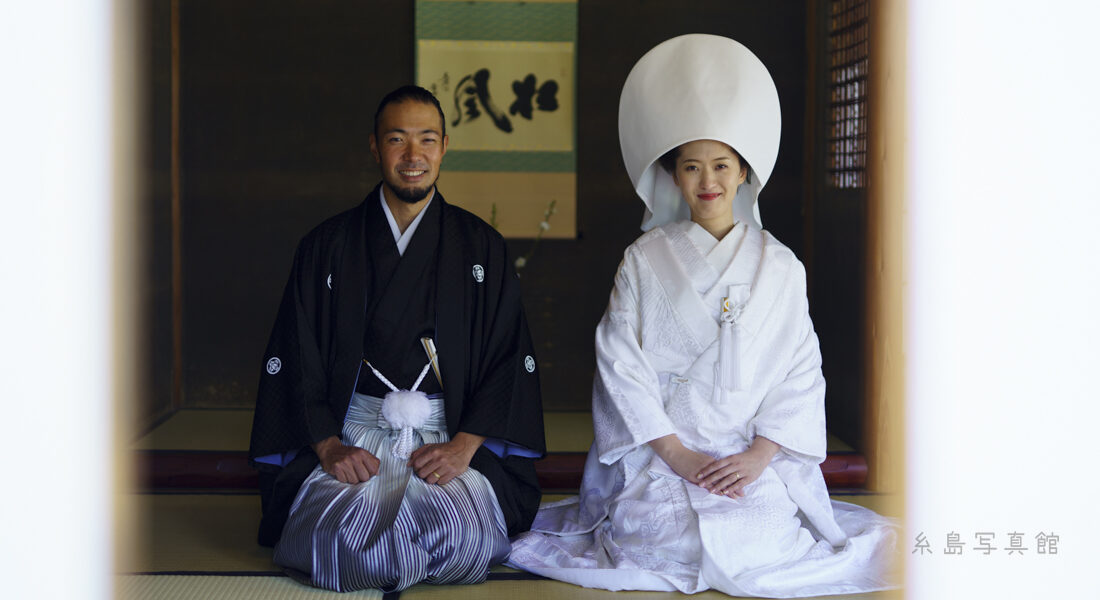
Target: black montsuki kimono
<point>312,363</point>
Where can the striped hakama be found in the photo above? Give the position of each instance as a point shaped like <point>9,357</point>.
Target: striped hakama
<point>395,529</point>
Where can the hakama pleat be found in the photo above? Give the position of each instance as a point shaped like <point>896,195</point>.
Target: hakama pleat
<point>394,530</point>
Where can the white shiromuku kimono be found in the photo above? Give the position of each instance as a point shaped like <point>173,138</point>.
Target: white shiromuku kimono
<point>661,369</point>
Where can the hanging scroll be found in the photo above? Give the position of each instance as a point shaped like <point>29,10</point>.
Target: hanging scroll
<point>504,73</point>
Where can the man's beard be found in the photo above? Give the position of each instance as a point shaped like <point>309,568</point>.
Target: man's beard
<point>412,195</point>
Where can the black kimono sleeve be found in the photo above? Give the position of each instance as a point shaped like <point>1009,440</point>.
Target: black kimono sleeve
<point>504,400</point>
<point>486,352</point>
<point>293,405</point>
<point>292,411</point>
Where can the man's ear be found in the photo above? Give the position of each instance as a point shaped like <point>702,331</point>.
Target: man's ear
<point>374,149</point>
<point>446,139</point>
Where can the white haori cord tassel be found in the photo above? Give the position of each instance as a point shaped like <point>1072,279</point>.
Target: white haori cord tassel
<point>729,348</point>
<point>406,410</point>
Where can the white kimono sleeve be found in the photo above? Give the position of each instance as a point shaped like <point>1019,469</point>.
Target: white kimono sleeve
<point>627,408</point>
<point>792,413</point>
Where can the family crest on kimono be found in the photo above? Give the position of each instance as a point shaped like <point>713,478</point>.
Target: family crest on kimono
<point>708,400</point>
<point>398,415</point>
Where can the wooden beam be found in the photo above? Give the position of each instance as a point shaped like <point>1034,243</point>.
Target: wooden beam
<point>177,232</point>
<point>558,472</point>
<point>885,267</point>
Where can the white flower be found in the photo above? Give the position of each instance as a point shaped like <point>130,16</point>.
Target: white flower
<point>545,225</point>
<point>521,262</point>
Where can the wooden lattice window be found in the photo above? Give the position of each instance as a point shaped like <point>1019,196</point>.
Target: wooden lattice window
<point>847,156</point>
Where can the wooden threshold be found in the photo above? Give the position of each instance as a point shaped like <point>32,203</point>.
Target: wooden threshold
<point>559,472</point>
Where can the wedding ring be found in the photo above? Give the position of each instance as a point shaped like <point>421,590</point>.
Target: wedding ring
<point>736,476</point>
<point>436,475</point>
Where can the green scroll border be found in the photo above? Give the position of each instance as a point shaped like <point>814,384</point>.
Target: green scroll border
<point>497,21</point>
<point>507,22</point>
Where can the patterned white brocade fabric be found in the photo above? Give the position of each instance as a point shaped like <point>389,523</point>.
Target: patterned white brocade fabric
<point>636,524</point>
<point>394,530</point>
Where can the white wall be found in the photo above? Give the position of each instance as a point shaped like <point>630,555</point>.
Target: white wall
<point>58,336</point>
<point>1003,365</point>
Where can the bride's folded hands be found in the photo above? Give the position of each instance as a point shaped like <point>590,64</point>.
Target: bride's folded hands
<point>686,462</point>
<point>728,476</point>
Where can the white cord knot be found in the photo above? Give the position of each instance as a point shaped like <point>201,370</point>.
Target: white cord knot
<point>407,411</point>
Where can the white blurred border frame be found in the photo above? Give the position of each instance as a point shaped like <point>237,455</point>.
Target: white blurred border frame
<point>69,171</point>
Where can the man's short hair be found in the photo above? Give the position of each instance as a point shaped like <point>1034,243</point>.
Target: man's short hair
<point>410,92</point>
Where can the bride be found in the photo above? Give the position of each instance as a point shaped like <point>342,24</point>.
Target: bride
<point>708,401</point>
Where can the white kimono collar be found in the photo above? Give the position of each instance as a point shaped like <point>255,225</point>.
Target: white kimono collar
<point>711,247</point>
<point>678,284</point>
<point>402,239</point>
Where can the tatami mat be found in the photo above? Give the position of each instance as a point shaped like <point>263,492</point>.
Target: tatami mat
<point>228,430</point>
<point>217,533</point>
<point>568,431</point>
<point>200,429</point>
<point>204,587</point>
<point>545,589</point>
<point>204,546</point>
<point>191,587</point>
<point>201,533</point>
